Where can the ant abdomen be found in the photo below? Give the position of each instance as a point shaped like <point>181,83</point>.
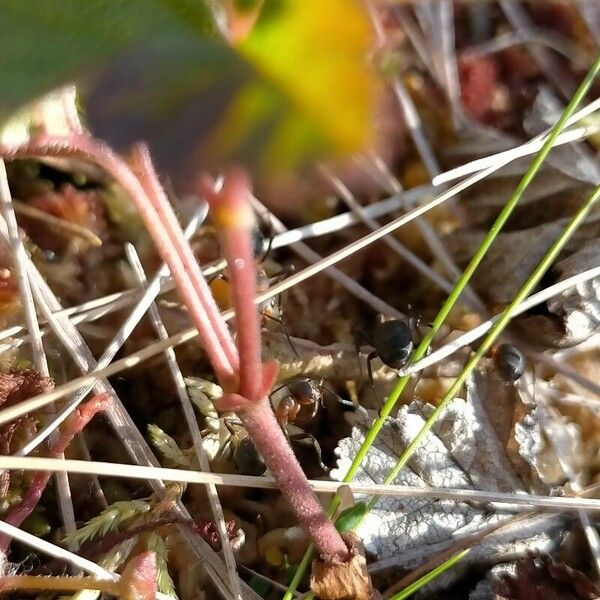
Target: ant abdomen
<point>247,459</point>
<point>393,342</point>
<point>509,362</point>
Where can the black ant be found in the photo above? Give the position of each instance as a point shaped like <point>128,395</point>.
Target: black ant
<point>509,362</point>
<point>270,309</point>
<point>247,459</point>
<point>262,236</point>
<point>393,343</point>
<point>300,405</point>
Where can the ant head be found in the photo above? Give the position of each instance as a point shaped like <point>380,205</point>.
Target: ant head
<point>305,388</point>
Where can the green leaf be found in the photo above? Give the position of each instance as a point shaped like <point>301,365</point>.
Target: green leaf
<point>49,42</point>
<point>314,84</point>
<point>350,518</point>
<point>163,578</point>
<point>156,70</point>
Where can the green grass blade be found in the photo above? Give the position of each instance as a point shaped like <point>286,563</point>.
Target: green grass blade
<point>495,332</point>
<point>479,255</point>
<point>422,348</point>
<point>429,577</point>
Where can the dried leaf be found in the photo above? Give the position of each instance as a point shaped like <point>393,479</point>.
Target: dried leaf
<point>574,314</point>
<point>467,448</point>
<point>509,261</point>
<point>573,159</point>
<point>541,578</point>
<point>345,581</point>
<point>513,257</point>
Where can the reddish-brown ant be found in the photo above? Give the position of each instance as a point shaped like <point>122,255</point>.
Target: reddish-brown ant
<point>299,405</point>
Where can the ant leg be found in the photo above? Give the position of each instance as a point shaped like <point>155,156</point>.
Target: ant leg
<point>281,274</point>
<point>360,336</point>
<point>285,332</point>
<point>315,444</point>
<point>334,394</point>
<point>372,356</point>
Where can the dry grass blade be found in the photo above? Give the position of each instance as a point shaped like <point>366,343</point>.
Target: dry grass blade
<point>19,257</point>
<point>190,419</point>
<point>150,474</point>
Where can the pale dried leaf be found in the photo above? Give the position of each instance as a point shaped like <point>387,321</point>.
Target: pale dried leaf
<point>466,448</point>
<point>574,314</point>
<point>547,440</point>
<point>510,260</point>
<point>572,159</point>
<point>344,581</point>
<point>398,525</point>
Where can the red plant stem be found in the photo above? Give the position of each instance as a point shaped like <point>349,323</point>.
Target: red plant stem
<point>76,422</point>
<point>83,147</point>
<point>270,441</point>
<point>158,198</point>
<point>233,217</point>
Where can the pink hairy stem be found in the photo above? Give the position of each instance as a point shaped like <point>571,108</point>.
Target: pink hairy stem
<point>158,198</point>
<point>202,308</point>
<point>233,217</point>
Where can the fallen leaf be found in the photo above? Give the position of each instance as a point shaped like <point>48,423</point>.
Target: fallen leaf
<point>573,315</point>
<point>472,446</point>
<point>344,581</point>
<point>541,578</point>
<point>574,160</point>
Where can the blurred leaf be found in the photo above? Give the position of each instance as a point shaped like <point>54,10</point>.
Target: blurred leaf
<point>315,83</point>
<point>48,42</point>
<point>153,69</point>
